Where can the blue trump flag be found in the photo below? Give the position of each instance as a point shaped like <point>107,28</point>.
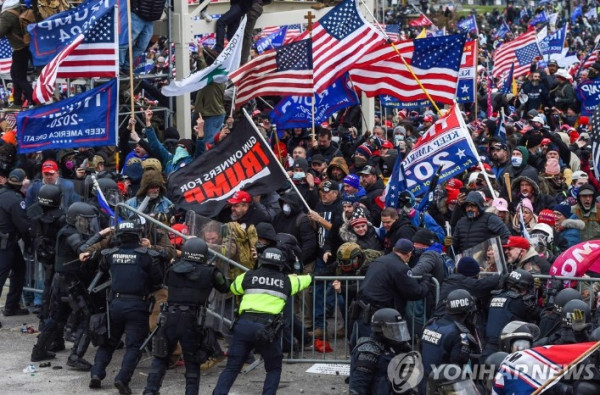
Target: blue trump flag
<point>272,41</point>
<point>295,112</point>
<point>85,120</point>
<point>468,25</point>
<point>507,87</point>
<point>554,43</point>
<point>502,30</point>
<point>501,128</point>
<point>50,36</point>
<point>539,18</point>
<point>577,12</point>
<point>396,184</point>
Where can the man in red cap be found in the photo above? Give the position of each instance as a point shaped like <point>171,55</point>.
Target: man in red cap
<point>520,255</point>
<point>50,175</point>
<point>245,211</point>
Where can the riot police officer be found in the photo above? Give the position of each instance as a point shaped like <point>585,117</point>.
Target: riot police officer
<point>372,355</point>
<point>14,225</point>
<point>514,302</point>
<point>450,339</point>
<point>47,218</point>
<point>518,336</point>
<point>135,272</point>
<point>69,294</point>
<point>551,317</point>
<point>265,291</point>
<point>190,281</point>
<point>575,325</point>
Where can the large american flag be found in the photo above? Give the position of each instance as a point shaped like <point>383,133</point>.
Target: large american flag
<point>5,56</point>
<point>44,87</point>
<point>434,60</point>
<point>340,38</point>
<point>521,51</point>
<point>97,55</point>
<point>285,71</point>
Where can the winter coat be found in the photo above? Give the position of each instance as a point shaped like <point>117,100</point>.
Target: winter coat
<point>470,232</point>
<point>368,200</point>
<point>298,225</point>
<point>401,229</point>
<point>569,233</point>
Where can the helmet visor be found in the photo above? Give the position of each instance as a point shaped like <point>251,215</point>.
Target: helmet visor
<point>87,225</point>
<point>466,387</point>
<point>396,331</point>
<point>349,264</point>
<point>520,345</point>
<point>113,197</point>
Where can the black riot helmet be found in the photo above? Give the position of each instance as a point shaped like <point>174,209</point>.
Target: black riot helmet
<point>389,325</point>
<point>49,196</point>
<point>273,258</point>
<point>520,279</point>
<point>84,217</point>
<point>565,296</point>
<point>570,307</point>
<point>459,302</point>
<point>517,336</point>
<point>129,230</point>
<point>110,190</point>
<point>194,250</point>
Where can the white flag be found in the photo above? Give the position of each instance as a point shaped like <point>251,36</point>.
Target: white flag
<point>226,62</point>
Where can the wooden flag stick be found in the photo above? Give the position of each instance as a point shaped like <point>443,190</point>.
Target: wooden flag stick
<point>508,186</point>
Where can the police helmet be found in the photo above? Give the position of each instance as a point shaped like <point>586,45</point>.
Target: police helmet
<point>110,190</point>
<point>272,257</point>
<point>570,307</point>
<point>49,195</point>
<point>517,336</point>
<point>195,250</point>
<point>129,229</point>
<point>565,296</point>
<point>493,363</point>
<point>350,257</point>
<point>389,324</point>
<point>459,302</point>
<point>84,217</point>
<point>595,335</point>
<point>520,279</point>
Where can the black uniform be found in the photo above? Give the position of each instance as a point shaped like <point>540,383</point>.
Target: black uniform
<point>14,225</point>
<point>129,308</point>
<point>189,284</point>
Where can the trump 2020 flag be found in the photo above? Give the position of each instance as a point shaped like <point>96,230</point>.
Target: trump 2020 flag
<point>85,120</point>
<point>468,25</point>
<point>396,184</point>
<point>240,161</point>
<point>554,43</point>
<point>467,76</point>
<point>502,30</point>
<point>525,371</point>
<point>295,111</point>
<point>50,36</point>
<point>226,62</point>
<point>272,41</point>
<point>446,143</point>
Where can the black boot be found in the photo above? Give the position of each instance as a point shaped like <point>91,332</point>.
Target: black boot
<point>76,360</point>
<point>123,388</point>
<point>79,364</point>
<point>40,349</point>
<point>192,381</point>
<point>57,345</point>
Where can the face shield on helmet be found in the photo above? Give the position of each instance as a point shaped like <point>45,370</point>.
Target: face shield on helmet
<point>113,197</point>
<point>87,225</point>
<point>520,345</point>
<point>396,331</point>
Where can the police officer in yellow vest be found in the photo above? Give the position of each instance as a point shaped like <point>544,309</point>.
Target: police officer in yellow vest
<point>258,327</point>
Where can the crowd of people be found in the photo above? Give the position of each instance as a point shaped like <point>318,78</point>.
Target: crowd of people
<point>480,243</point>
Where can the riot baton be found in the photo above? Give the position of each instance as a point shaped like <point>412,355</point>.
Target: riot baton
<point>97,277</point>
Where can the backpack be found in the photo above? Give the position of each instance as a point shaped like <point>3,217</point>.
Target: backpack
<point>245,240</point>
<point>26,17</point>
<point>47,8</point>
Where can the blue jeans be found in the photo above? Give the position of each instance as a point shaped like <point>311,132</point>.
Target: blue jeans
<point>243,342</point>
<point>319,320</point>
<point>141,34</point>
<point>212,125</point>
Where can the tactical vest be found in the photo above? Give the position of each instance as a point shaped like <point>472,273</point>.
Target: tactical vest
<point>370,354</point>
<point>189,283</point>
<point>64,253</point>
<point>499,314</point>
<point>266,281</point>
<point>127,270</point>
<point>434,342</point>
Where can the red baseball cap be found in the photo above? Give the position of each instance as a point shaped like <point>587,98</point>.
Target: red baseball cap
<point>240,197</point>
<point>517,242</point>
<point>387,144</point>
<point>49,166</point>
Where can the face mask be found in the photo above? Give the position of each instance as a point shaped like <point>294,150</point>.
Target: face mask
<point>287,210</point>
<point>69,165</point>
<point>471,214</point>
<point>516,161</point>
<point>359,161</point>
<point>260,247</point>
<point>180,153</point>
<point>298,175</point>
<point>153,195</point>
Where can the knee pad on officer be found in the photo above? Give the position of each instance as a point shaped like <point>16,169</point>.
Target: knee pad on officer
<point>160,347</point>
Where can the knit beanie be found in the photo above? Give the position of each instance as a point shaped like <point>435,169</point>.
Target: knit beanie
<point>424,236</point>
<point>353,180</point>
<point>552,167</point>
<point>524,151</point>
<point>364,150</point>
<point>564,209</point>
<point>546,216</point>
<point>468,266</point>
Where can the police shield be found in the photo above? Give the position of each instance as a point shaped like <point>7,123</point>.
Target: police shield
<point>489,254</point>
<point>405,371</point>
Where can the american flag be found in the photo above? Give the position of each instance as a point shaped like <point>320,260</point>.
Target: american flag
<point>340,38</point>
<point>595,140</point>
<point>434,60</point>
<point>393,32</point>
<point>44,86</point>
<point>97,55</point>
<point>521,51</point>
<point>591,59</point>
<point>5,56</point>
<point>292,31</point>
<point>285,71</point>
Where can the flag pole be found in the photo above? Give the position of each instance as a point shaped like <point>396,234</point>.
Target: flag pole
<point>564,370</point>
<point>232,102</point>
<point>476,90</point>
<point>129,38</point>
<point>309,17</point>
<point>260,136</point>
<point>358,100</point>
<point>402,58</point>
